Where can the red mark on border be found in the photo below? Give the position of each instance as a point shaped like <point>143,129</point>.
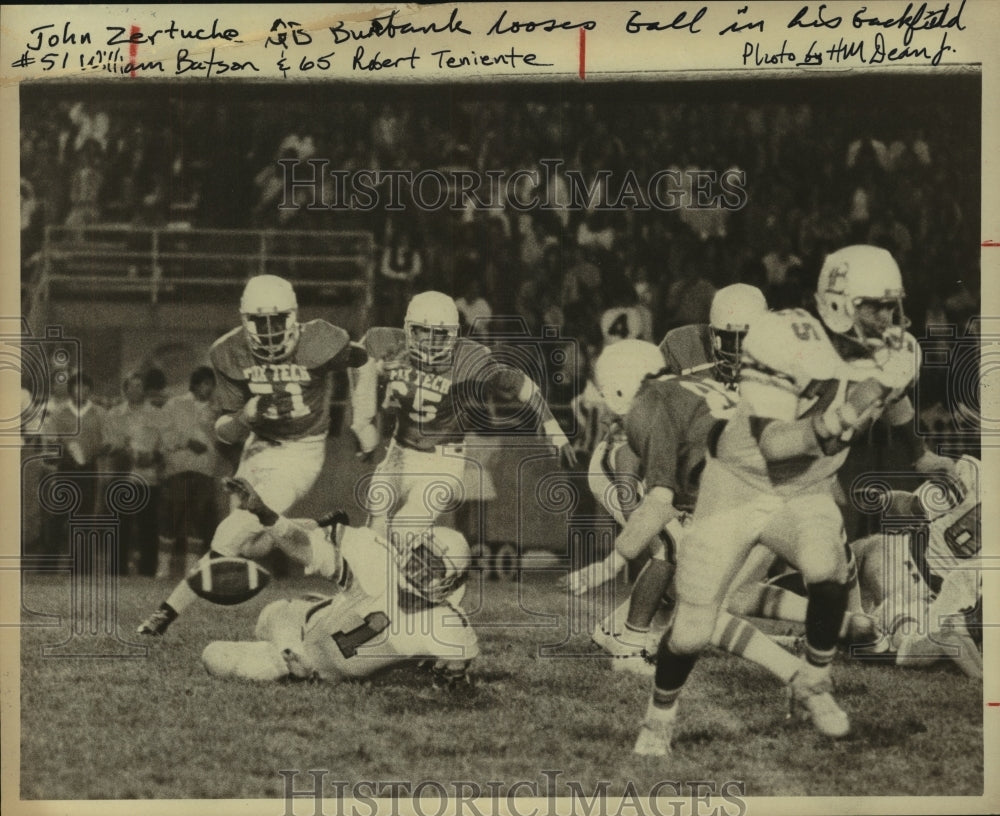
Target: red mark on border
<point>583,53</point>
<point>991,244</point>
<point>993,705</point>
<point>133,47</point>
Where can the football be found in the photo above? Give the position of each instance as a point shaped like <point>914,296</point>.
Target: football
<point>228,581</point>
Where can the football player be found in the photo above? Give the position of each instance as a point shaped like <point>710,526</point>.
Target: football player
<point>925,577</point>
<point>711,351</point>
<point>383,611</point>
<point>274,382</point>
<point>808,387</point>
<point>668,421</point>
<point>439,386</point>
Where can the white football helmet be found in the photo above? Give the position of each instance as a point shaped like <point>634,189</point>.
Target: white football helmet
<point>733,309</point>
<point>437,564</point>
<point>621,369</point>
<point>852,276</point>
<point>269,311</point>
<point>431,325</point>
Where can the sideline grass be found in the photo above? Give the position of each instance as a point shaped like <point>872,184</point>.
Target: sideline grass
<point>159,727</point>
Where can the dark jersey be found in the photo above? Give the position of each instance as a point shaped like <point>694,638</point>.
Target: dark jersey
<point>306,376</point>
<point>439,404</point>
<point>668,428</point>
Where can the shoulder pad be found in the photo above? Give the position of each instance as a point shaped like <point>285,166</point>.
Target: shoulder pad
<point>319,343</point>
<point>688,349</point>
<point>384,342</point>
<point>470,352</point>
<point>791,344</point>
<point>230,354</point>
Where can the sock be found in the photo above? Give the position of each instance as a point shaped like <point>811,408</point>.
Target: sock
<point>672,671</point>
<point>645,599</point>
<point>615,622</point>
<point>766,601</point>
<point>853,585</point>
<point>824,615</point>
<point>183,596</point>
<point>742,639</point>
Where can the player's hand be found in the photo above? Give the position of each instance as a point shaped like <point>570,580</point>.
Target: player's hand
<point>196,446</point>
<point>838,425</point>
<point>453,677</point>
<point>367,438</point>
<point>567,456</point>
<point>596,574</point>
<point>269,407</point>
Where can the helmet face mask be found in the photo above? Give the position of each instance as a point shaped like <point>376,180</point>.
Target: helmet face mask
<point>269,311</point>
<point>432,327</point>
<point>437,564</point>
<point>733,308</point>
<point>727,346</point>
<point>860,296</point>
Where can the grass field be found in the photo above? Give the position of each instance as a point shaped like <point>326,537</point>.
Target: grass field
<point>159,727</point>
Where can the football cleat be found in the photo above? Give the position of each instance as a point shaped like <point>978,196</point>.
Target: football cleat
<point>656,732</point>
<point>641,663</point>
<point>156,624</point>
<point>862,630</point>
<point>250,500</point>
<point>815,702</point>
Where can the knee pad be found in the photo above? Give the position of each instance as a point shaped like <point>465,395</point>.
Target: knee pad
<point>823,564</point>
<point>257,660</point>
<point>691,631</point>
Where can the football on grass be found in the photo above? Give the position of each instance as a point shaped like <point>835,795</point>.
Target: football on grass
<point>228,581</point>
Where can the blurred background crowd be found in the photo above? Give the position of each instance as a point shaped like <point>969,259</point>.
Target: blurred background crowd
<point>857,164</point>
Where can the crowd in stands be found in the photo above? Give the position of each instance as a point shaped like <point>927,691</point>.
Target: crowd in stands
<point>818,175</point>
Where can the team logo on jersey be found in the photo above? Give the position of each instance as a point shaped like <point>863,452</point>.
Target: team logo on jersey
<point>277,372</point>
<point>421,379</point>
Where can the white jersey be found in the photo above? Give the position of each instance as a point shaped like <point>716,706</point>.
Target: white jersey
<point>792,371</point>
<point>374,622</point>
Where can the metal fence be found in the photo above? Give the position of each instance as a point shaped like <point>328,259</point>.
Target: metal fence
<point>163,264</point>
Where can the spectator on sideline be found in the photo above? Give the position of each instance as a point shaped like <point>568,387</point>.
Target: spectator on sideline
<point>189,511</point>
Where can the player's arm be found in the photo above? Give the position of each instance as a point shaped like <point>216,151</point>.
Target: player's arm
<point>506,380</point>
<point>654,512</point>
<point>379,344</point>
<point>364,406</point>
<point>823,432</point>
<point>653,434</point>
<point>900,416</point>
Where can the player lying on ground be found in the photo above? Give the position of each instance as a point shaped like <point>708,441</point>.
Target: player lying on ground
<point>274,379</point>
<point>808,387</point>
<point>439,386</point>
<point>924,577</point>
<point>382,611</point>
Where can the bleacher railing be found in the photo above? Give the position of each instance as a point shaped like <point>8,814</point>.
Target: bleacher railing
<point>162,264</point>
